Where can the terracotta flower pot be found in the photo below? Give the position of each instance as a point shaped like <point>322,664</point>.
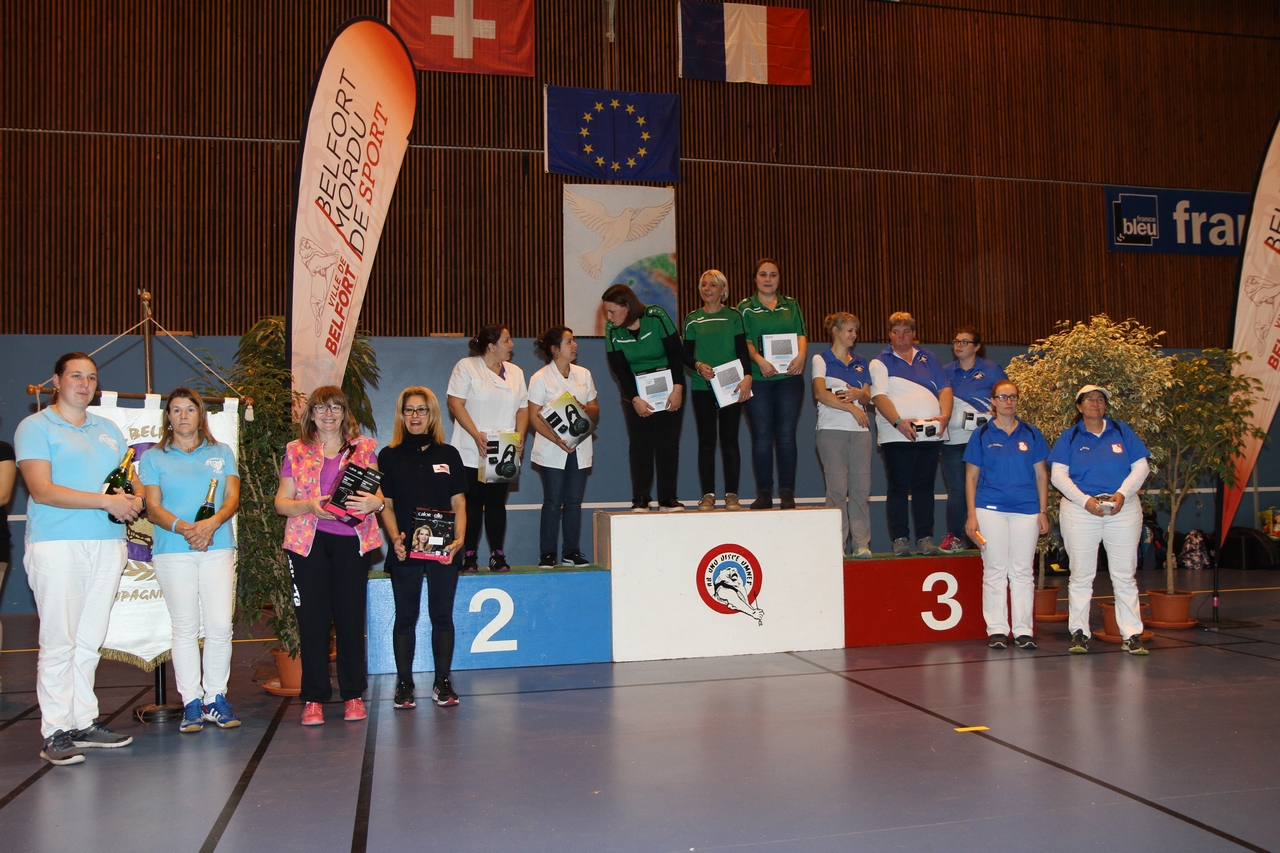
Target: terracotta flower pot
<point>290,681</point>
<point>1170,611</point>
<point>1110,632</point>
<point>1046,605</point>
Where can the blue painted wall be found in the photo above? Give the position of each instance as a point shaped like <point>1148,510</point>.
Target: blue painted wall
<point>428,361</point>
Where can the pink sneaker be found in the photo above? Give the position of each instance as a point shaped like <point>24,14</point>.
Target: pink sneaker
<point>313,714</point>
<point>354,710</point>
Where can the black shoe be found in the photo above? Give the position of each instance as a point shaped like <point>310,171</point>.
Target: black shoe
<point>640,505</point>
<point>764,499</point>
<point>1079,643</point>
<point>442,693</point>
<point>997,641</point>
<point>498,562</point>
<point>470,565</point>
<point>1025,642</point>
<point>547,561</point>
<point>670,505</point>
<point>1133,645</point>
<point>575,558</point>
<point>787,498</point>
<point>404,695</point>
<point>58,749</point>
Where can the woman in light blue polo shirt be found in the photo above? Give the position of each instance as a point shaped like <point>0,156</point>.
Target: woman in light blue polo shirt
<point>1099,465</point>
<point>1007,491</point>
<point>75,553</point>
<point>195,561</point>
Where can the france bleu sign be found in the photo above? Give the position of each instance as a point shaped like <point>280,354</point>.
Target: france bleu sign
<point>1175,222</point>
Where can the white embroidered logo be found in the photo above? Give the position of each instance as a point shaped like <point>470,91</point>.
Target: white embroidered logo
<point>109,442</point>
<point>216,464</point>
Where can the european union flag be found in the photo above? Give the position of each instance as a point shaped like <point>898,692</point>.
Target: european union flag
<point>617,136</point>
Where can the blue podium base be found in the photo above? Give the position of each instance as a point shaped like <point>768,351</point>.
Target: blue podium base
<point>529,617</point>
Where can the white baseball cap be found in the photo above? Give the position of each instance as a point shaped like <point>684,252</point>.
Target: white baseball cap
<point>1086,389</point>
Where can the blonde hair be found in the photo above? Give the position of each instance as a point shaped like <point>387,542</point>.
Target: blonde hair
<point>832,322</point>
<point>902,318</point>
<point>435,426</point>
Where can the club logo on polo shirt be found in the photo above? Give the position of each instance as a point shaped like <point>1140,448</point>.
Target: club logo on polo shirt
<point>1022,445</point>
<point>979,375</point>
<point>729,579</point>
<point>109,442</point>
<point>1117,448</point>
<point>440,467</point>
<point>216,464</point>
<point>858,369</point>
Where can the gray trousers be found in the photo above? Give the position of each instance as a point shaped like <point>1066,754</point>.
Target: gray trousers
<point>846,466</point>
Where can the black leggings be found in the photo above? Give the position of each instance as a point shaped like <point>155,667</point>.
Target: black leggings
<point>406,589</point>
<point>655,442</point>
<point>708,415</point>
<point>486,501</point>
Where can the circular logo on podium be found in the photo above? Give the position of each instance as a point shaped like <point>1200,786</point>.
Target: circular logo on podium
<point>729,581</point>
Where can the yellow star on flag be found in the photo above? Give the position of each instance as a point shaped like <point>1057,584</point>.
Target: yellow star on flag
<point>587,116</point>
<point>587,149</point>
<point>641,152</point>
<point>645,135</point>
<point>614,103</point>
<point>584,132</point>
<point>631,161</point>
<point>599,161</point>
<point>630,109</point>
<point>640,120</point>
<point>615,166</point>
<point>599,107</point>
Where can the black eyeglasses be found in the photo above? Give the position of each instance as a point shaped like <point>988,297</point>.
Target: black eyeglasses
<point>958,341</point>
<point>1006,398</point>
<point>415,410</point>
<point>321,408</point>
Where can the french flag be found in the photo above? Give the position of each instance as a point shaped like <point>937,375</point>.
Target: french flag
<point>740,43</point>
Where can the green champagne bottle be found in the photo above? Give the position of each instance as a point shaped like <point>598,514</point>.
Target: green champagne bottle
<point>120,478</point>
<point>206,509</point>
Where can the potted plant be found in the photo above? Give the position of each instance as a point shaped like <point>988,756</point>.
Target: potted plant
<point>1208,405</point>
<point>264,588</point>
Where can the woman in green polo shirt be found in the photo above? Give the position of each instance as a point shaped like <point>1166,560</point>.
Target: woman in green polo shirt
<point>642,340</point>
<point>776,394</point>
<point>714,336</point>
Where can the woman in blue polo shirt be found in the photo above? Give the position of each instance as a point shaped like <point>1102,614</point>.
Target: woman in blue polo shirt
<point>640,339</point>
<point>776,394</point>
<point>1099,465</point>
<point>972,379</point>
<point>1007,491</point>
<point>842,389</point>
<point>195,561</point>
<point>75,553</point>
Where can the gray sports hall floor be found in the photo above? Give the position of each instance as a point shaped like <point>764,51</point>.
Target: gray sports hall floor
<point>853,749</point>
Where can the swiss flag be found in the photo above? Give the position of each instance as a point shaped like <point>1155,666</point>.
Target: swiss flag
<point>472,36</point>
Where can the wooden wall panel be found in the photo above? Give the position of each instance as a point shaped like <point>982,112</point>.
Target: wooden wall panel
<point>948,160</point>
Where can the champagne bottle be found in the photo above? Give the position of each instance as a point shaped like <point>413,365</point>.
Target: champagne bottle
<point>206,509</point>
<point>120,478</point>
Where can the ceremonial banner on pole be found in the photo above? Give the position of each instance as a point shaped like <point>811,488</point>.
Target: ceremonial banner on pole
<point>1257,327</point>
<point>617,234</point>
<point>358,124</point>
<point>139,631</point>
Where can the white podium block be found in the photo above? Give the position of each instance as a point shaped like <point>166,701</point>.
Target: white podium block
<point>708,584</point>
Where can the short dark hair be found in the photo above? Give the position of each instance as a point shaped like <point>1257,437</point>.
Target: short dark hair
<point>485,338</point>
<point>981,350</point>
<point>620,294</point>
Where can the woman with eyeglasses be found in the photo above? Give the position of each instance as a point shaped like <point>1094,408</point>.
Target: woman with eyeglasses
<point>420,471</point>
<point>195,561</point>
<point>329,560</point>
<point>1006,494</point>
<point>972,378</point>
<point>563,469</point>
<point>487,394</point>
<point>1099,465</point>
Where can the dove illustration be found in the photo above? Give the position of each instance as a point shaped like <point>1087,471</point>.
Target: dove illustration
<point>630,224</point>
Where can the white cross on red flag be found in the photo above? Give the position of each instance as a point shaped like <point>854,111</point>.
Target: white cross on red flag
<point>470,36</point>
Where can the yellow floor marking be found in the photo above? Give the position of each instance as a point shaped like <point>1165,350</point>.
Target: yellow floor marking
<point>973,729</point>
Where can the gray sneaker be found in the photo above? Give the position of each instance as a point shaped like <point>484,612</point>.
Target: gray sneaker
<point>58,749</point>
<point>98,736</point>
<point>927,547</point>
<point>901,547</point>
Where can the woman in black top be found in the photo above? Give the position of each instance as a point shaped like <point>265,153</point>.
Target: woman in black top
<point>421,471</point>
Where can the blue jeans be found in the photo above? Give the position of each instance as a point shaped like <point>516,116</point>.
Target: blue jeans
<point>562,493</point>
<point>953,473</point>
<point>774,411</point>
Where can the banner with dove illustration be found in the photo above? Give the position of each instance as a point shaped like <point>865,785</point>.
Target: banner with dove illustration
<point>611,135</point>
<point>617,234</point>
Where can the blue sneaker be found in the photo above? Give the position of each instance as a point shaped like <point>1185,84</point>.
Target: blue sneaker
<point>220,713</point>
<point>192,717</point>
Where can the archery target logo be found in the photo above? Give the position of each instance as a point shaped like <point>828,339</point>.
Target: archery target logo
<point>729,580</point>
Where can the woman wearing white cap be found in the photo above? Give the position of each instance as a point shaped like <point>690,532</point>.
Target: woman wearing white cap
<point>1099,465</point>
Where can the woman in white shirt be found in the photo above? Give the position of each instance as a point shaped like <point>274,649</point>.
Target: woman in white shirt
<point>842,389</point>
<point>486,394</point>
<point>563,468</point>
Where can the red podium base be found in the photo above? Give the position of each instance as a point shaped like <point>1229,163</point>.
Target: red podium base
<point>913,600</point>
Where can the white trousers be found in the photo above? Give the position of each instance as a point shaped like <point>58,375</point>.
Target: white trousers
<point>1120,533</point>
<point>197,583</point>
<point>74,583</point>
<point>1007,577</point>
